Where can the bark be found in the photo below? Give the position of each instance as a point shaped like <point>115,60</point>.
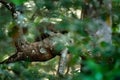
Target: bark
<point>40,51</point>
<point>63,62</point>
<point>37,51</point>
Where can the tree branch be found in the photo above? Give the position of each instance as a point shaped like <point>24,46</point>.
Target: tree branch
<point>9,6</point>
<point>63,62</point>
<point>37,51</point>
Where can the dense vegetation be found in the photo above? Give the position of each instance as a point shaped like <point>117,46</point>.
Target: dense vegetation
<point>102,59</point>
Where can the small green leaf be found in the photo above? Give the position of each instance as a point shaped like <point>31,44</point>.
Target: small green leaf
<point>18,2</point>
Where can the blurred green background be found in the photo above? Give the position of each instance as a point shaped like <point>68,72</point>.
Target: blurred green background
<point>66,14</point>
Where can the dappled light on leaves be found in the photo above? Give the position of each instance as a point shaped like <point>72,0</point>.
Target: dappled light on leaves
<point>59,39</point>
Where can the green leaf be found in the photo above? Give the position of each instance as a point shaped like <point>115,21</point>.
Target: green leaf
<point>18,2</point>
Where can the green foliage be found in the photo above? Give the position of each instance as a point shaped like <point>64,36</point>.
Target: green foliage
<point>18,2</point>
<point>102,60</point>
